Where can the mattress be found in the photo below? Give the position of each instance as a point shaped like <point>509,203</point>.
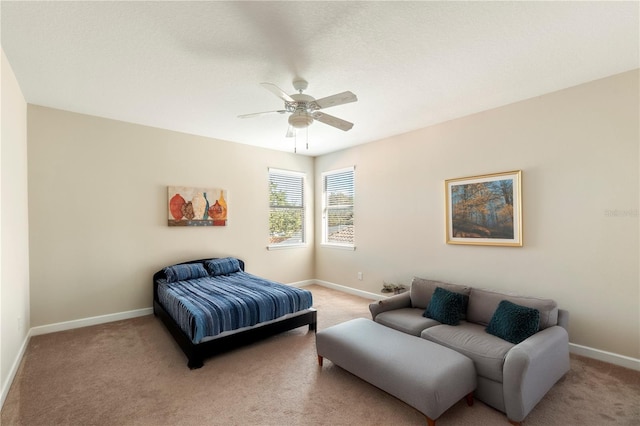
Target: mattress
<point>208,306</point>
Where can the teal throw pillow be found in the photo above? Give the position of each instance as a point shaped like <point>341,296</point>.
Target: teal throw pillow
<point>446,306</point>
<point>514,323</point>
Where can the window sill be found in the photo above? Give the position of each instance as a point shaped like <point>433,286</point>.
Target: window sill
<point>286,246</point>
<point>338,246</point>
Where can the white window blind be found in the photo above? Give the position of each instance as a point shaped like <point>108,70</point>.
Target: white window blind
<point>338,201</point>
<point>286,208</point>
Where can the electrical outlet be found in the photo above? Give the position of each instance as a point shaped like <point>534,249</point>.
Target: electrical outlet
<point>19,324</point>
<point>360,276</point>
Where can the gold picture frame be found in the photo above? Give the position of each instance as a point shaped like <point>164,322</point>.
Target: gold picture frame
<point>484,210</point>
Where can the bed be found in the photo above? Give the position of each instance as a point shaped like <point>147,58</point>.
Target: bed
<point>212,305</point>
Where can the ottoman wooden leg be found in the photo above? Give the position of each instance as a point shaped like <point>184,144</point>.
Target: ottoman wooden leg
<point>320,360</point>
<point>431,422</point>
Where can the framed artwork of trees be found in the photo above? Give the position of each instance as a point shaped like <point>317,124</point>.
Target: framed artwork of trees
<point>485,210</point>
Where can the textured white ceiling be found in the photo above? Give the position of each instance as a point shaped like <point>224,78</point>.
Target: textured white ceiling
<point>195,66</point>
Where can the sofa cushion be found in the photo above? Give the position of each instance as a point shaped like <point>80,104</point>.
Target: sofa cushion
<point>483,303</point>
<point>422,290</point>
<point>514,323</point>
<point>487,352</point>
<point>446,306</point>
<point>407,320</point>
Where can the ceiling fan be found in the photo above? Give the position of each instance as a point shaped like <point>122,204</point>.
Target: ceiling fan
<point>305,109</point>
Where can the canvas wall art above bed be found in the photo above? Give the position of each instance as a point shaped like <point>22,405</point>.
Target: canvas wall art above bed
<point>213,305</point>
<point>197,206</point>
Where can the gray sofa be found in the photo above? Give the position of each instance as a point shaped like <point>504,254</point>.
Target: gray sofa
<point>512,378</point>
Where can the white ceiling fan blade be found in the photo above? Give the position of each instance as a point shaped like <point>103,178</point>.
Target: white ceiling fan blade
<point>255,114</point>
<point>277,91</point>
<point>338,99</point>
<point>332,121</point>
<point>291,132</point>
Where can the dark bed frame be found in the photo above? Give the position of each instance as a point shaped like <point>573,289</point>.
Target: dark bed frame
<point>196,353</point>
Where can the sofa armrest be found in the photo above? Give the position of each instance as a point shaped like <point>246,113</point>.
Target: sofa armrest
<point>563,319</point>
<point>399,301</point>
<point>531,368</point>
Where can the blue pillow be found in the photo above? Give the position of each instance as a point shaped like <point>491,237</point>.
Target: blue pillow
<point>185,271</point>
<point>224,266</point>
<point>446,306</point>
<point>514,323</point>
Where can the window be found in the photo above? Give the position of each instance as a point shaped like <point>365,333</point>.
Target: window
<point>337,208</point>
<point>286,208</point>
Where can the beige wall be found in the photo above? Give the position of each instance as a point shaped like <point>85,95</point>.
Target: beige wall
<point>578,150</point>
<point>14,229</point>
<point>97,192</point>
<point>98,221</point>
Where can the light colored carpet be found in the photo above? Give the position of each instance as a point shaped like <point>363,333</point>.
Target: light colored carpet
<point>132,373</point>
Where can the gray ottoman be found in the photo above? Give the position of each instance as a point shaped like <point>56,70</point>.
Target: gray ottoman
<point>425,375</point>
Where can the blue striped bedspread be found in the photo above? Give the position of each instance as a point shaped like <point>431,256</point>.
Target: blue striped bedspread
<point>208,306</point>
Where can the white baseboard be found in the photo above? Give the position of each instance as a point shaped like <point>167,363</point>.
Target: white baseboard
<point>610,357</point>
<point>14,370</point>
<point>302,283</point>
<point>85,322</point>
<point>349,290</point>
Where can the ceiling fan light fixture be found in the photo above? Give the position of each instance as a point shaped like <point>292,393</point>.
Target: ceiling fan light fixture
<point>300,119</point>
